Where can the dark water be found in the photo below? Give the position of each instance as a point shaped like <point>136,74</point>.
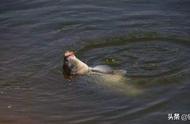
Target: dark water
<point>148,38</point>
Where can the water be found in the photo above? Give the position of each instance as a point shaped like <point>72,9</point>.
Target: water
<point>150,39</point>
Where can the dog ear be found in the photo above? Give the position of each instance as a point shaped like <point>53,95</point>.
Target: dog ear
<point>66,70</point>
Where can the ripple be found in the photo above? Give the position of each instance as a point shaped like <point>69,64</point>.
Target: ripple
<point>142,55</point>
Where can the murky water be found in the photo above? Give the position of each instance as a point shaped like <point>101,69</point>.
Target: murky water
<point>149,39</point>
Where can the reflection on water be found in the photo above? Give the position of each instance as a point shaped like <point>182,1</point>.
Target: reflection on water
<point>149,39</point>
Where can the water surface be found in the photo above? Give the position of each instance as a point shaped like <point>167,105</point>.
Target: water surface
<point>149,39</point>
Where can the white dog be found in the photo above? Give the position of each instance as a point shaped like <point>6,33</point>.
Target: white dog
<point>72,66</point>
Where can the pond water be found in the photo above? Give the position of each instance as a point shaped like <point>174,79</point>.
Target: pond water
<point>148,38</point>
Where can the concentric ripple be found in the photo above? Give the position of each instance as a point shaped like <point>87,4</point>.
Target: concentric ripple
<point>142,57</point>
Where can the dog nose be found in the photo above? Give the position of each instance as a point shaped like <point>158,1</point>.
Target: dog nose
<point>65,59</point>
